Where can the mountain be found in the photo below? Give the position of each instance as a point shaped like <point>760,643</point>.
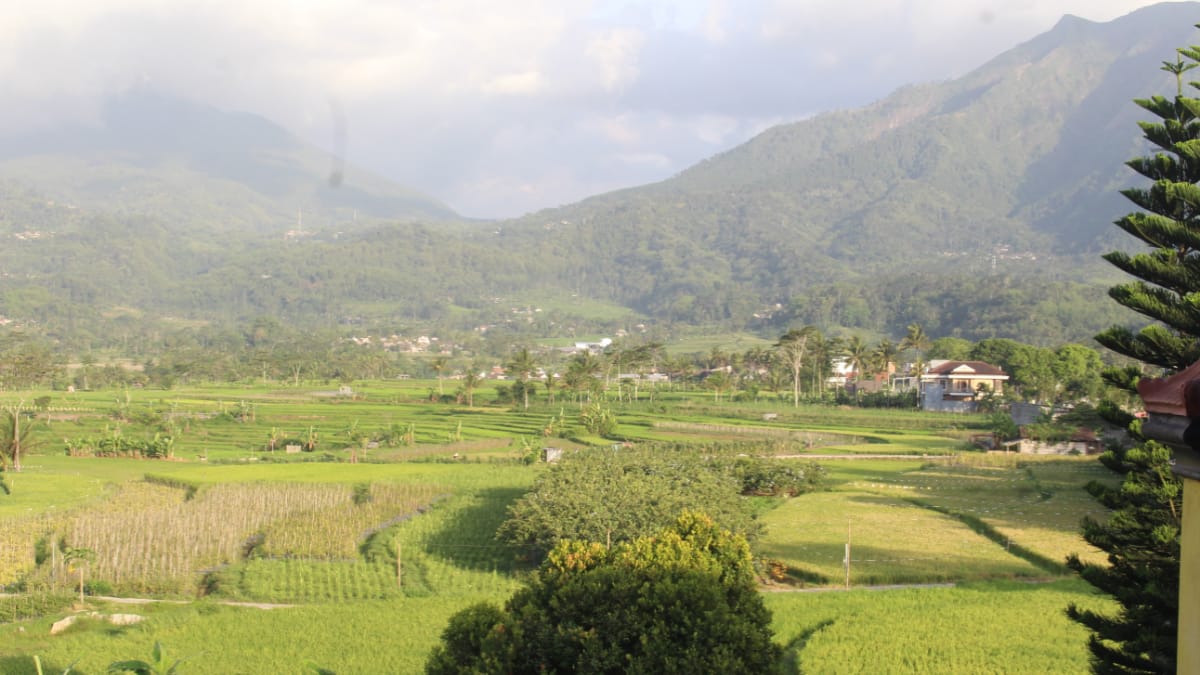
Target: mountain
<point>194,166</point>
<point>1012,169</point>
<point>977,207</point>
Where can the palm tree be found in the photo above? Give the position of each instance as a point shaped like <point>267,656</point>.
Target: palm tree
<point>916,339</point>
<point>438,365</point>
<point>857,355</point>
<point>470,381</point>
<point>717,381</point>
<point>582,372</point>
<point>522,366</point>
<point>885,353</point>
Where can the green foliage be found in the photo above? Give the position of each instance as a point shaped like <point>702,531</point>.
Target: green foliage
<point>615,495</point>
<point>683,600</point>
<point>362,494</point>
<point>157,666</point>
<point>942,630</point>
<point>598,419</point>
<point>1003,426</point>
<point>115,444</point>
<point>765,477</point>
<point>1142,535</point>
<point>1141,538</point>
<point>24,606</point>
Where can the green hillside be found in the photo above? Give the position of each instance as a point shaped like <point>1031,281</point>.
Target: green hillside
<point>977,207</point>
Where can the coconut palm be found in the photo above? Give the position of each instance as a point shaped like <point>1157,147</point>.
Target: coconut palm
<point>439,365</point>
<point>582,373</point>
<point>885,353</point>
<point>521,365</point>
<point>916,339</point>
<point>470,382</point>
<point>857,355</point>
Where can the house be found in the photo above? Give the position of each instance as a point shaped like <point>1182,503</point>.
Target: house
<point>956,386</point>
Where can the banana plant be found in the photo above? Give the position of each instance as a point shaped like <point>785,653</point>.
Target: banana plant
<point>156,667</point>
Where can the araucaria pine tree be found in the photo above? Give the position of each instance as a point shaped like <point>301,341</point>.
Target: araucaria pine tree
<point>1141,537</point>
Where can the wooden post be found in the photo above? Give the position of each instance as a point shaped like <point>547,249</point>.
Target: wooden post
<point>847,554</point>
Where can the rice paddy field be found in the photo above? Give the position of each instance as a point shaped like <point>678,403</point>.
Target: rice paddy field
<point>261,560</point>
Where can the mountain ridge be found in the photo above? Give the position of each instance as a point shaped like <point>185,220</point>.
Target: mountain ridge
<point>150,153</point>
<point>976,206</point>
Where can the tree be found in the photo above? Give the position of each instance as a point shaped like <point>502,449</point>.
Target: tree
<point>1141,537</point>
<point>885,354</point>
<point>79,558</point>
<point>718,381</point>
<point>583,372</point>
<point>857,355</point>
<point>792,347</point>
<point>682,600</point>
<point>950,349</point>
<point>471,380</point>
<point>915,339</point>
<point>522,365</point>
<point>1078,370</point>
<point>611,496</point>
<point>14,436</point>
<point>438,365</point>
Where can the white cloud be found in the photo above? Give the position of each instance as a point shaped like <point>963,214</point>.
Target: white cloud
<point>530,82</point>
<point>615,55</point>
<point>509,107</point>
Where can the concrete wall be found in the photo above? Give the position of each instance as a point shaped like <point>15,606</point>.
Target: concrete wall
<point>1189,582</point>
<point>1029,447</point>
<point>931,399</point>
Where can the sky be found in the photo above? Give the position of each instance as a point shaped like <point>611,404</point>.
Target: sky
<point>505,108</point>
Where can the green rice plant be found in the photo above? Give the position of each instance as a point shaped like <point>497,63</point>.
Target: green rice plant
<point>994,627</point>
<point>891,541</point>
<point>380,636</point>
<point>1033,503</point>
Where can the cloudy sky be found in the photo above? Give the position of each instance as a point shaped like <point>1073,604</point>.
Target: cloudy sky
<point>502,108</point>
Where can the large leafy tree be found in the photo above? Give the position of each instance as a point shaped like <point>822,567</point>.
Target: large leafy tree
<point>683,600</point>
<point>1141,536</point>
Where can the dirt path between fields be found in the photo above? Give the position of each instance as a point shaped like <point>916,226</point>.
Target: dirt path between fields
<point>862,456</point>
<point>148,601</point>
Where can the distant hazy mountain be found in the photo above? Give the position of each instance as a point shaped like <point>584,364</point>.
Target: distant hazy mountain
<point>192,165</point>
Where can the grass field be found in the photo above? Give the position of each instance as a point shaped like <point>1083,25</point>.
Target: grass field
<point>375,556</point>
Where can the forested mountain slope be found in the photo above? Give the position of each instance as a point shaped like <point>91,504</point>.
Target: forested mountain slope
<point>977,206</point>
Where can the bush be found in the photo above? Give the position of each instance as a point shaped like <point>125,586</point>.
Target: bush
<point>682,600</point>
<point>97,587</point>
<point>614,495</point>
<point>764,477</point>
